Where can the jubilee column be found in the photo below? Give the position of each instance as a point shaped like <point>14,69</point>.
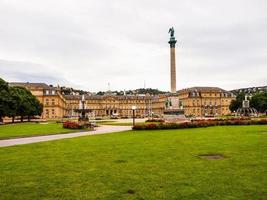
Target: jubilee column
<point>172,43</point>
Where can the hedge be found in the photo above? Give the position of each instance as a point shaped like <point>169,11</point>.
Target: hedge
<point>72,125</point>
<point>199,123</point>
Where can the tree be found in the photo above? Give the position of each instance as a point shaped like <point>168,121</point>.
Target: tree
<point>237,103</point>
<point>17,101</point>
<point>4,95</point>
<point>259,101</point>
<point>36,108</point>
<point>14,102</point>
<point>28,105</point>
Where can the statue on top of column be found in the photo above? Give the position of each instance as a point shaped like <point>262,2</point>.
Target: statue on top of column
<point>171,30</point>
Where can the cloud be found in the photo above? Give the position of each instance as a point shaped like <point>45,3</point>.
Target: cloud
<point>89,43</point>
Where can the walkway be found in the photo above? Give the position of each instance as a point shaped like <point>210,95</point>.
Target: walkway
<point>27,140</point>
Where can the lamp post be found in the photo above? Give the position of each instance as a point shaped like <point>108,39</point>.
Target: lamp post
<point>133,109</point>
<point>83,107</point>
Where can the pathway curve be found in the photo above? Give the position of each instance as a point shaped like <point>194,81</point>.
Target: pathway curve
<point>27,140</point>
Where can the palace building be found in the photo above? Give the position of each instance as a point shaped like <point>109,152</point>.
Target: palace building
<point>54,103</point>
<point>196,101</point>
<point>205,101</point>
<point>57,105</point>
<point>110,105</point>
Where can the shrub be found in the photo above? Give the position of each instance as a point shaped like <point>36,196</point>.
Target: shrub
<point>200,123</point>
<point>72,125</point>
<point>261,121</point>
<point>155,120</point>
<point>151,126</point>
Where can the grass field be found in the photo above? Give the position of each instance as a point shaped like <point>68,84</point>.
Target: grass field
<point>141,165</point>
<point>31,129</point>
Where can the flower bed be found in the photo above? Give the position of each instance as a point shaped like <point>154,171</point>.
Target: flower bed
<point>72,125</point>
<point>155,120</point>
<point>199,123</point>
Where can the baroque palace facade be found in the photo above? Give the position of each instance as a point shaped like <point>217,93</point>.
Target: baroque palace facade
<point>197,101</point>
<point>205,101</point>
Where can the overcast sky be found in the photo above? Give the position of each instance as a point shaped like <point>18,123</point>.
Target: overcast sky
<point>88,44</point>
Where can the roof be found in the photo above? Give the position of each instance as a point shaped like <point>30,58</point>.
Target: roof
<point>203,89</point>
<point>27,85</point>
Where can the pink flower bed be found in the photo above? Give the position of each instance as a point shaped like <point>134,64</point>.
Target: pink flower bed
<point>199,123</point>
<point>155,120</point>
<point>72,125</point>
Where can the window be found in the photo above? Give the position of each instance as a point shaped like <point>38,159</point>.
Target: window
<point>53,102</point>
<point>53,92</point>
<point>47,92</point>
<point>46,101</point>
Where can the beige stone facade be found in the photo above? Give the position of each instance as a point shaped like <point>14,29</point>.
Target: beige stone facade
<point>197,101</point>
<point>205,101</point>
<point>110,105</point>
<point>54,104</point>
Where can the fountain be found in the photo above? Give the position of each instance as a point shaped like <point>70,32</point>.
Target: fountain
<point>246,110</point>
<point>83,118</point>
<point>173,110</point>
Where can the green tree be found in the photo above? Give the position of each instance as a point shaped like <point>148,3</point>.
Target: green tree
<point>4,99</point>
<point>14,102</point>
<point>259,101</point>
<point>28,105</point>
<point>36,108</point>
<point>237,103</point>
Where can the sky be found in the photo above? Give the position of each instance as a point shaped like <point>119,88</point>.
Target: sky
<point>89,44</point>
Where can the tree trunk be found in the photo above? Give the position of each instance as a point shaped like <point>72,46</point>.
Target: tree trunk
<point>13,119</point>
<point>21,118</point>
<point>29,118</point>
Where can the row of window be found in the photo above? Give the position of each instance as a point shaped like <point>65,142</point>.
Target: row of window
<point>109,101</point>
<point>196,94</point>
<point>205,103</point>
<point>50,92</point>
<point>49,114</point>
<point>206,109</point>
<point>47,102</point>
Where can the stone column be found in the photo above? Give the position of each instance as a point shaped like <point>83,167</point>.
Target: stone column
<point>173,64</point>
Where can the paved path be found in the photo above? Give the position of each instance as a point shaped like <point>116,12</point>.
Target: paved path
<point>27,140</point>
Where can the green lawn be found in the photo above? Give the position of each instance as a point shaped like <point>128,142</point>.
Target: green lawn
<point>31,129</point>
<point>140,165</point>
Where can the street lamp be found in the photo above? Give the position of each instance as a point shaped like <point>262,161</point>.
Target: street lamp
<point>133,108</point>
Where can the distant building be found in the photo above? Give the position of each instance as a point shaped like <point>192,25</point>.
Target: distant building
<point>196,101</point>
<point>54,103</point>
<point>205,101</point>
<point>250,90</point>
<point>110,105</point>
<point>58,105</point>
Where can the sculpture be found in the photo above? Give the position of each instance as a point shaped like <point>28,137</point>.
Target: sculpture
<point>246,110</point>
<point>171,30</point>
